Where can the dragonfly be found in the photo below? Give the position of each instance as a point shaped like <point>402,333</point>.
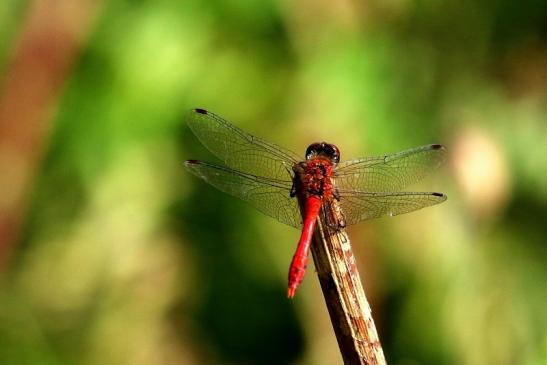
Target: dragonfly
<point>298,191</point>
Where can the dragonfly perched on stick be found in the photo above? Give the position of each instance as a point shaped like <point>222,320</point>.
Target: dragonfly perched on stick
<point>295,191</point>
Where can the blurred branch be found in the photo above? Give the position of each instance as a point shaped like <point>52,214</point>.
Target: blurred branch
<point>47,44</point>
<point>347,304</point>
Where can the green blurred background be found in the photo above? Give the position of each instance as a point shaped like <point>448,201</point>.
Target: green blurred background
<point>112,253</point>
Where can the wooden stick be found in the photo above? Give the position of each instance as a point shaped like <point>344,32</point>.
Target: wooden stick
<point>347,304</point>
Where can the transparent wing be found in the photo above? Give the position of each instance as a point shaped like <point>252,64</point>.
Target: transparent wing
<point>270,196</point>
<point>238,149</point>
<point>359,206</point>
<point>389,172</point>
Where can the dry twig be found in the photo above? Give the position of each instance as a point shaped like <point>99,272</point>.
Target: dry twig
<point>347,304</point>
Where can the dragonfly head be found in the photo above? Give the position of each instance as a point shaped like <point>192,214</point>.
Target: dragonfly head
<point>323,149</point>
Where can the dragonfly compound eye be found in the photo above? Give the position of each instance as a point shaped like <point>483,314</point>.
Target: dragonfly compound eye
<point>312,150</point>
<point>334,153</point>
<point>330,151</point>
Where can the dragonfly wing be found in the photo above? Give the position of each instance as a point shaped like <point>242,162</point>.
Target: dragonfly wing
<point>271,197</point>
<point>359,206</point>
<point>238,149</point>
<point>389,172</point>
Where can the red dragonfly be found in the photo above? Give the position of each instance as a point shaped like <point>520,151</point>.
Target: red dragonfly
<point>280,184</point>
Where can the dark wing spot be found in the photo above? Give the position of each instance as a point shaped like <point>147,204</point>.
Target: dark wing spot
<point>436,146</point>
<point>200,111</point>
<point>437,194</point>
<point>191,162</point>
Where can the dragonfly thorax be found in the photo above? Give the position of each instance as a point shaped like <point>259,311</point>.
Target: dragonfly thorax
<point>314,177</point>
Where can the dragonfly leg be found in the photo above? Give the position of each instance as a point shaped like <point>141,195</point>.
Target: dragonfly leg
<point>336,194</point>
<point>342,220</point>
<point>293,190</point>
<point>334,220</point>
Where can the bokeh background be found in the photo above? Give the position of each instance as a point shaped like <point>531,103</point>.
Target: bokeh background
<point>112,253</point>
